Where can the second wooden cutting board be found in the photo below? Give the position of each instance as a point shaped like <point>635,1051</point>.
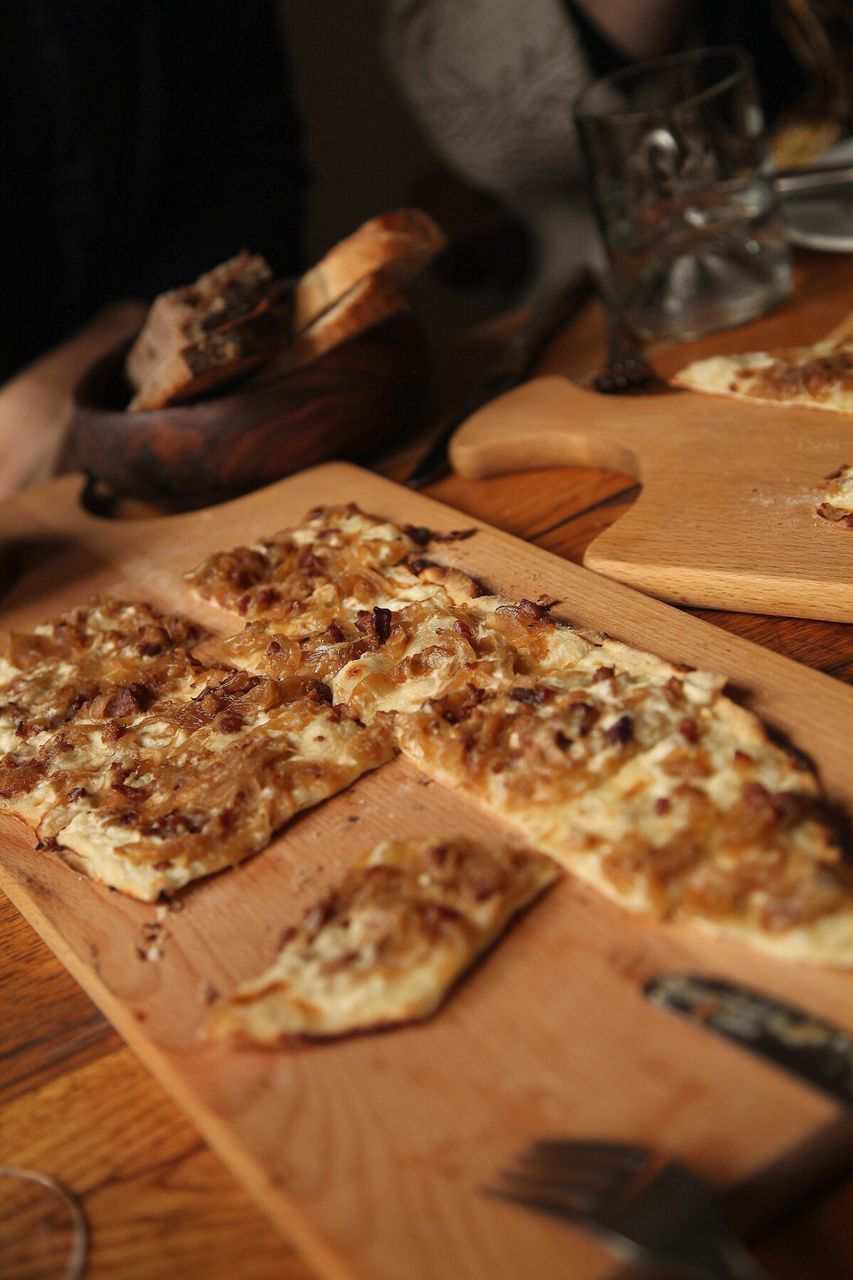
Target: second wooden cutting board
<point>372,1152</point>
<point>726,518</point>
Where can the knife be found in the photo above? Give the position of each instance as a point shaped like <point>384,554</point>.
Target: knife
<point>816,1051</point>
<point>511,364</point>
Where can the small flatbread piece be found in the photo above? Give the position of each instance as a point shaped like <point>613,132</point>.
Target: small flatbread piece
<point>815,377</point>
<point>221,795</point>
<point>837,505</point>
<point>387,944</point>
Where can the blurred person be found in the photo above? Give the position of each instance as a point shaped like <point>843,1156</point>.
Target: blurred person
<point>148,142</point>
<point>492,83</point>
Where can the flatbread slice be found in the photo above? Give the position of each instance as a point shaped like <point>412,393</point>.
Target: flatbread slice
<point>340,562</point>
<point>837,505</point>
<point>643,780</point>
<point>815,377</point>
<point>388,943</point>
<point>49,675</point>
<point>221,795</point>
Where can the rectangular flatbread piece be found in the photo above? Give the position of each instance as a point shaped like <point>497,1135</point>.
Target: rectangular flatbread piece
<point>386,945</point>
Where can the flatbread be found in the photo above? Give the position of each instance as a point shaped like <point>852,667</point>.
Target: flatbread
<point>221,795</point>
<point>814,377</point>
<point>386,945</point>
<point>837,504</point>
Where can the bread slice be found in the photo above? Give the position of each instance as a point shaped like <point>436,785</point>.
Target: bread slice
<point>398,244</point>
<point>205,333</point>
<point>217,357</point>
<point>170,319</point>
<point>368,303</point>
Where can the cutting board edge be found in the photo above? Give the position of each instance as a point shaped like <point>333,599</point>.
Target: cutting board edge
<point>287,1215</point>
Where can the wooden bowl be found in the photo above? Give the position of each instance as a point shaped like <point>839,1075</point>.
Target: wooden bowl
<point>344,405</point>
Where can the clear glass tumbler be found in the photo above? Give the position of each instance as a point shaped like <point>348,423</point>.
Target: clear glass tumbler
<point>680,179</point>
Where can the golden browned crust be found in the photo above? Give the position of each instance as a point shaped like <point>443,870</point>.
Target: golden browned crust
<point>387,943</point>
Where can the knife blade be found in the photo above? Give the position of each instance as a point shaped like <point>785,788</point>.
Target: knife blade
<point>510,365</point>
<point>811,1048</point>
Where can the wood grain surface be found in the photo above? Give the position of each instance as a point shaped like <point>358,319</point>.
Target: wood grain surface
<point>159,1202</point>
<point>726,512</point>
<point>372,1152</point>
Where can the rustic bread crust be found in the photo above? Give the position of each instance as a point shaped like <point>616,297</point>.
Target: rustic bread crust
<point>169,321</point>
<point>215,358</point>
<point>398,244</point>
<point>367,304</point>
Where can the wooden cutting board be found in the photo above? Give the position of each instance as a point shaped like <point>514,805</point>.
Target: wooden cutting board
<point>372,1152</point>
<point>726,517</point>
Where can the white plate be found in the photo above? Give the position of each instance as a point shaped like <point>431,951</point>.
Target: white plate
<point>824,220</point>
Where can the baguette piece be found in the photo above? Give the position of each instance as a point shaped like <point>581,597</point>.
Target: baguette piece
<point>203,334</point>
<point>399,244</point>
<point>170,319</point>
<point>368,303</point>
<point>217,357</point>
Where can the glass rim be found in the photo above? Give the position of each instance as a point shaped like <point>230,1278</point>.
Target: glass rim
<point>743,65</point>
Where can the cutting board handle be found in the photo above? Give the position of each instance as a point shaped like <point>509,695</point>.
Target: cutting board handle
<point>550,422</point>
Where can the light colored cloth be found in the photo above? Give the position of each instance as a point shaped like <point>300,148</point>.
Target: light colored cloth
<point>492,83</point>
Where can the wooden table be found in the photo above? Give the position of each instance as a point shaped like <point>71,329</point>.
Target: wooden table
<point>75,1102</point>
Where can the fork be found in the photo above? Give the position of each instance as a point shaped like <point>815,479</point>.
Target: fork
<point>650,1209</point>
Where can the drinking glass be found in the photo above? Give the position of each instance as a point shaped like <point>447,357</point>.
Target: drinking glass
<point>680,180</point>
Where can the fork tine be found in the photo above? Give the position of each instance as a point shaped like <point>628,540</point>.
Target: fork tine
<point>601,1180</point>
<point>604,1153</point>
<point>607,1152</point>
<point>543,1198</point>
<point>570,1196</point>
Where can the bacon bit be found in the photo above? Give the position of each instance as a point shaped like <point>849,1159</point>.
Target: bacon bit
<point>76,793</point>
<point>663,804</point>
<point>274,648</point>
<point>267,596</point>
<point>231,723</point>
<point>309,562</point>
<point>127,701</point>
<point>675,686</point>
<point>162,865</point>
<point>382,624</point>
<point>324,693</point>
<point>376,625</point>
<point>439,854</point>
<point>563,740</point>
<point>755,796</point>
<point>419,566</point>
<point>172,824</point>
<point>604,673</point>
<point>152,639</point>
<point>742,757</point>
<point>242,603</point>
<point>689,729</point>
<point>620,732</point>
<point>333,634</point>
<point>464,630</point>
<point>113,731</point>
<point>531,697</point>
